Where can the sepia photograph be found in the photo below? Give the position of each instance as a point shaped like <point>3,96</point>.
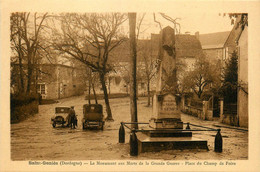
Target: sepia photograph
<point>95,89</point>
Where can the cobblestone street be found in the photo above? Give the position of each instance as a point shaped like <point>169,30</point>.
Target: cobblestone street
<point>36,139</point>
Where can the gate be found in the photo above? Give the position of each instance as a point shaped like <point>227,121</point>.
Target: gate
<point>216,107</point>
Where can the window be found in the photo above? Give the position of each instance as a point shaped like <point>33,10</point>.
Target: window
<point>41,88</point>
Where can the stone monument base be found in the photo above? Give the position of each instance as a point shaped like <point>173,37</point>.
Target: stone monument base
<point>166,123</point>
<point>168,133</point>
<point>153,144</point>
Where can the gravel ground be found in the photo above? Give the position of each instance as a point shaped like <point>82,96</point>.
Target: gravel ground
<point>35,139</point>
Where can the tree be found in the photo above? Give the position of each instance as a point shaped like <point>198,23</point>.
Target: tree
<point>133,56</point>
<point>90,38</point>
<point>242,19</point>
<point>149,67</point>
<point>27,44</point>
<point>92,80</point>
<point>230,80</point>
<point>201,77</point>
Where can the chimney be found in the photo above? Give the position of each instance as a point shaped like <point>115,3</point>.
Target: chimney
<point>197,34</point>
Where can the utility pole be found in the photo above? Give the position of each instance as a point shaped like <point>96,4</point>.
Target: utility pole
<point>133,55</point>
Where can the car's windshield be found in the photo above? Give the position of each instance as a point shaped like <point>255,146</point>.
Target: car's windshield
<point>62,110</point>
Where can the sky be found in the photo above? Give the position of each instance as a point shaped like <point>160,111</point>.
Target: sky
<point>190,22</point>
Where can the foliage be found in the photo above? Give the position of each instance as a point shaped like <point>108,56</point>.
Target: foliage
<point>230,80</point>
<point>23,99</point>
<point>242,19</point>
<point>201,78</point>
<point>23,111</point>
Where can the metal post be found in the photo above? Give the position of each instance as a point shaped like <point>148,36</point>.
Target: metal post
<point>188,126</point>
<point>121,133</point>
<point>133,144</point>
<point>218,142</point>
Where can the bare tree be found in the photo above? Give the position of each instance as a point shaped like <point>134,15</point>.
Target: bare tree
<point>148,68</point>
<point>27,43</point>
<point>174,21</point>
<point>90,38</point>
<point>147,63</point>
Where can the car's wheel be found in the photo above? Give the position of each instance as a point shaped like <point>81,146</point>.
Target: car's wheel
<point>54,124</point>
<point>102,126</point>
<point>83,126</point>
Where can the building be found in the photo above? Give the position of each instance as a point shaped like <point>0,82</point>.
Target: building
<point>188,48</point>
<point>218,46</point>
<point>213,45</point>
<point>60,81</point>
<point>53,81</point>
<point>242,104</point>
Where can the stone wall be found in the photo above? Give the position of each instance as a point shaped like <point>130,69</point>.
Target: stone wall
<point>230,119</point>
<point>243,109</point>
<point>201,112</point>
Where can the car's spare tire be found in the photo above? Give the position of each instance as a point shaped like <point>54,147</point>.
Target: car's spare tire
<point>59,119</point>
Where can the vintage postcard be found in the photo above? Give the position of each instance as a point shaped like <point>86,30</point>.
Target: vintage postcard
<point>129,85</point>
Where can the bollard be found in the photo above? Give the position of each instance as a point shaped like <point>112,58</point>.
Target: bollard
<point>133,144</point>
<point>121,134</point>
<point>188,126</point>
<point>218,142</point>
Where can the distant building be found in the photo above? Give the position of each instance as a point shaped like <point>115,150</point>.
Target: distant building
<point>53,81</point>
<point>218,46</point>
<point>61,81</point>
<point>188,48</point>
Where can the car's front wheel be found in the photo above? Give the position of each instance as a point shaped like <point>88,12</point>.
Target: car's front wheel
<point>54,124</point>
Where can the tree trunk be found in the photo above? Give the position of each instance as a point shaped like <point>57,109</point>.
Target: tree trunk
<point>103,83</point>
<point>109,85</point>
<point>94,92</point>
<point>148,93</point>
<point>21,73</point>
<point>89,89</point>
<point>29,78</point>
<point>133,55</point>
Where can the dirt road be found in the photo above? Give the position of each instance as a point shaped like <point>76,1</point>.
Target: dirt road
<point>36,139</point>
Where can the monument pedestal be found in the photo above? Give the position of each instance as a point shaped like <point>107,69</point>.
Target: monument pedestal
<point>168,133</point>
<point>166,114</point>
<point>153,144</point>
<point>165,125</point>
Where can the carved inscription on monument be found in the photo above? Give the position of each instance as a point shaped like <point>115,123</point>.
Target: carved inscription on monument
<point>169,108</point>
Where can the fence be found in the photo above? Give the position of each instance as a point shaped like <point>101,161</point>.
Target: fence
<point>133,141</point>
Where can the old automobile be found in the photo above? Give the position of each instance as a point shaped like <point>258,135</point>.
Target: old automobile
<point>92,116</point>
<point>60,116</point>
